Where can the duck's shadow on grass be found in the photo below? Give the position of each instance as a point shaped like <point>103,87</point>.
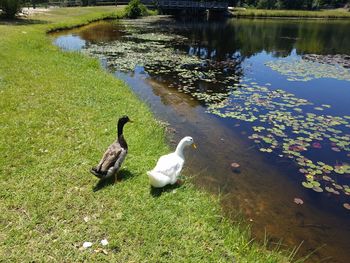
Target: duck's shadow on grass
<point>157,192</point>
<point>121,176</point>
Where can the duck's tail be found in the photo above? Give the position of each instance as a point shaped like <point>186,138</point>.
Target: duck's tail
<point>149,173</point>
<point>158,179</point>
<point>94,171</point>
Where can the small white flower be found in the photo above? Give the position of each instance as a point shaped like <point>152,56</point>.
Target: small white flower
<point>104,242</point>
<point>87,244</point>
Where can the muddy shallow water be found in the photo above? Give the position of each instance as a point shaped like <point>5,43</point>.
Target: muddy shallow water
<point>207,78</point>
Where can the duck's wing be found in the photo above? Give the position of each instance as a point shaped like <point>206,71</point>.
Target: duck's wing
<point>110,157</point>
<point>169,165</point>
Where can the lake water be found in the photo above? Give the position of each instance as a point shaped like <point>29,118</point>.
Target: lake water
<point>249,93</point>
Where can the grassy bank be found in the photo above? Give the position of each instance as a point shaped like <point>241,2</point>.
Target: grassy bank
<point>326,14</point>
<point>58,114</point>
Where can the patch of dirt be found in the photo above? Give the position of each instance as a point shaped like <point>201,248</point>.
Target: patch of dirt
<point>29,11</point>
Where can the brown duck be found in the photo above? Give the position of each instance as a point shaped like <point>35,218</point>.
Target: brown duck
<point>115,154</point>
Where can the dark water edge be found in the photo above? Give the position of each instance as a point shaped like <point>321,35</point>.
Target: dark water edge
<point>265,186</point>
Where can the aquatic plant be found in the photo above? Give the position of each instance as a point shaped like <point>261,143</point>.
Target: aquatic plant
<point>303,70</point>
<point>290,130</point>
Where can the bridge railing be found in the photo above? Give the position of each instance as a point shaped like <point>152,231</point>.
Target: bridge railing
<point>192,4</point>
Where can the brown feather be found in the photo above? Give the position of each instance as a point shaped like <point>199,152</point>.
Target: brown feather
<point>109,158</point>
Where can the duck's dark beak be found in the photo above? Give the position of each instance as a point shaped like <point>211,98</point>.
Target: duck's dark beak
<point>194,145</point>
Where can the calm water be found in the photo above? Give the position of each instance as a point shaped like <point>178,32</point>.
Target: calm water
<point>245,93</point>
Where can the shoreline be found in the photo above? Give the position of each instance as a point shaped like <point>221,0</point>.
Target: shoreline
<point>59,110</point>
<point>290,14</point>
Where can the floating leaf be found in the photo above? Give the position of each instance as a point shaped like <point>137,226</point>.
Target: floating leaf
<point>339,171</point>
<point>337,186</point>
<point>315,183</point>
<point>327,178</point>
<point>329,189</point>
<point>298,201</point>
<point>317,189</point>
<point>302,70</point>
<point>336,149</point>
<point>302,170</point>
<point>316,145</point>
<point>346,206</point>
<point>307,185</point>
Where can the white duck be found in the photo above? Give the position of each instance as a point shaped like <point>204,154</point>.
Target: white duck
<point>169,166</point>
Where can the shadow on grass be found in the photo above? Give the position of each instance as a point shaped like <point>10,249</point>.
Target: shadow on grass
<point>121,176</point>
<point>157,192</point>
<point>20,21</point>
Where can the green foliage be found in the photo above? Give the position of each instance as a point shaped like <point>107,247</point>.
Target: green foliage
<point>266,4</point>
<point>290,4</point>
<point>10,7</point>
<point>135,9</point>
<point>327,14</point>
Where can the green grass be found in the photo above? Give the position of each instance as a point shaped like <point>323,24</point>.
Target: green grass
<point>327,14</point>
<point>58,114</point>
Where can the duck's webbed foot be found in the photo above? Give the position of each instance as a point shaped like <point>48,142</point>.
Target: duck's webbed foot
<point>179,182</point>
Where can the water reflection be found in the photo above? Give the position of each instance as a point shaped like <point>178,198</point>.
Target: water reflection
<point>70,42</point>
<point>248,37</point>
<point>278,37</point>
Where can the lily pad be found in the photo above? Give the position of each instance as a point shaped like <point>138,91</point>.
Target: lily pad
<point>307,185</point>
<point>298,201</point>
<point>302,70</point>
<point>317,189</point>
<point>346,206</point>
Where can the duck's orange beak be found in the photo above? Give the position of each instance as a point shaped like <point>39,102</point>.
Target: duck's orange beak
<point>194,145</point>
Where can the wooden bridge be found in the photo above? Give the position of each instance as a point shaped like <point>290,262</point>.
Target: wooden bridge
<point>199,5</point>
<point>184,8</point>
<point>210,5</point>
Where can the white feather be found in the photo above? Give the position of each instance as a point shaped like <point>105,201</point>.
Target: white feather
<point>168,167</point>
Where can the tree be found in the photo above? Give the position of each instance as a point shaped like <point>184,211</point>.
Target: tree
<point>10,7</point>
<point>135,9</point>
<point>266,4</point>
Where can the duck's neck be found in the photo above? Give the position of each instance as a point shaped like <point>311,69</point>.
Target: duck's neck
<point>120,128</point>
<point>180,149</point>
<point>120,138</point>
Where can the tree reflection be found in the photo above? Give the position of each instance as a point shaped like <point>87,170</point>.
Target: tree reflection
<point>221,39</point>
